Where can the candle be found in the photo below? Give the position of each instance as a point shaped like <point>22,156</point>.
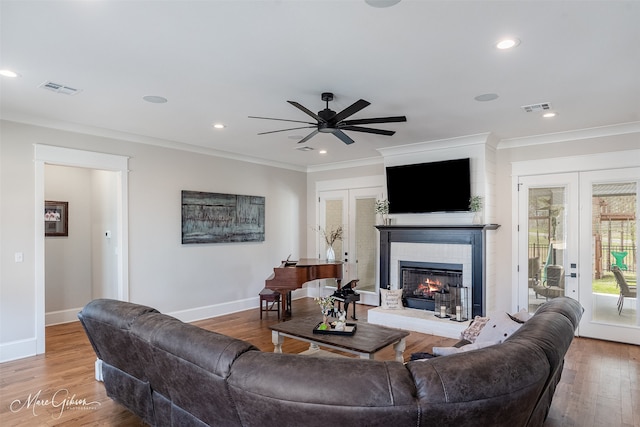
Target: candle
<point>443,311</point>
<point>458,313</point>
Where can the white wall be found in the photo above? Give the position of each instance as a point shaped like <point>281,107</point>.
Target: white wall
<point>189,281</point>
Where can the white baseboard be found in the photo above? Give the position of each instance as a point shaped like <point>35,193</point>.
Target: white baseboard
<point>18,349</point>
<point>205,312</point>
<point>215,310</point>
<point>62,316</point>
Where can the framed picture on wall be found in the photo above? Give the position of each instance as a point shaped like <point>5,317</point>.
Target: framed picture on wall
<point>56,218</point>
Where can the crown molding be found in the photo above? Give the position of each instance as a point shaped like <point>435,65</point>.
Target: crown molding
<point>439,144</point>
<point>158,142</point>
<point>574,135</point>
<point>346,164</point>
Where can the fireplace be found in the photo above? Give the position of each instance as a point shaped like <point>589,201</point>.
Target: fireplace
<point>421,282</point>
<point>469,240</point>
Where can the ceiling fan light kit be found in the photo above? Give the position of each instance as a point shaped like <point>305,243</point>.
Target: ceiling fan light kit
<point>328,121</point>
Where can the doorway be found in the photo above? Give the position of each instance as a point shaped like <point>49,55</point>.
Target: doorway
<point>574,230</point>
<point>50,155</point>
<point>354,210</point>
<point>80,265</point>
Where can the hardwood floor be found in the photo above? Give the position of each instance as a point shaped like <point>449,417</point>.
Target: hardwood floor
<point>600,384</point>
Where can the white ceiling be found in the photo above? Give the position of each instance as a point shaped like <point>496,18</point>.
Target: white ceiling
<point>221,61</point>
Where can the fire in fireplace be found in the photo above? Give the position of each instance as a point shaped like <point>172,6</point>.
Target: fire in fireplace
<point>422,281</point>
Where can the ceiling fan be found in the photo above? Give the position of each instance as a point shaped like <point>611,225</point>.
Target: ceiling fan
<point>328,121</point>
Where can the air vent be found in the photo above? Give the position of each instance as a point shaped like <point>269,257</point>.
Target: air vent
<point>535,108</point>
<point>305,148</point>
<point>60,88</point>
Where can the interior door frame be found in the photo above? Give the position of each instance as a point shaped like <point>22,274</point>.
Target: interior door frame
<point>52,155</point>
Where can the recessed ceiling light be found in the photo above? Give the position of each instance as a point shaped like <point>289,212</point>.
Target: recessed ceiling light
<point>549,115</point>
<point>155,99</point>
<point>382,3</point>
<point>8,73</point>
<point>486,97</point>
<point>322,151</point>
<point>305,148</point>
<point>507,43</point>
<point>219,126</point>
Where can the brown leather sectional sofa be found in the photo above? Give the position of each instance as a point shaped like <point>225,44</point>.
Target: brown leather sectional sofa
<point>172,373</point>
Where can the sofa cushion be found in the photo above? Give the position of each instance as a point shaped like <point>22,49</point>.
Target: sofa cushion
<point>391,299</point>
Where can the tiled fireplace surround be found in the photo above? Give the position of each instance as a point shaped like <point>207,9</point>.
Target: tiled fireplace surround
<point>457,244</point>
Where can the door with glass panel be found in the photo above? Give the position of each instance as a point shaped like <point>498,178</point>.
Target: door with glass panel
<point>609,262</point>
<point>354,210</point>
<point>548,238</point>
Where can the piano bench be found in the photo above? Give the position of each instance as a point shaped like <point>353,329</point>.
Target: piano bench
<point>269,301</point>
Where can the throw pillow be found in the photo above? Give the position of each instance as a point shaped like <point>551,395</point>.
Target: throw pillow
<point>471,333</point>
<point>498,328</point>
<point>445,351</point>
<point>391,299</point>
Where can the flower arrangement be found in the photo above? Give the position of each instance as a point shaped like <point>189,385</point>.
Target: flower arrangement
<point>325,303</point>
<point>331,235</point>
<point>475,204</point>
<point>382,206</point>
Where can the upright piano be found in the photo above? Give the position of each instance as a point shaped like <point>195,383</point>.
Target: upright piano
<point>291,275</point>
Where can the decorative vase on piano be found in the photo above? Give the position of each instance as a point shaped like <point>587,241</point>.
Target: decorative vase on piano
<point>330,237</point>
<point>331,254</point>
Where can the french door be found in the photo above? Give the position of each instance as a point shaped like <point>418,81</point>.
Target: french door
<point>609,212</point>
<point>574,230</point>
<point>547,238</point>
<point>354,210</point>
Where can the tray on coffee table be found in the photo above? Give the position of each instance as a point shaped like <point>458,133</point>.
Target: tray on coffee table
<point>349,329</point>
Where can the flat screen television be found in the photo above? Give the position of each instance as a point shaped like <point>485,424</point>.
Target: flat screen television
<point>443,186</point>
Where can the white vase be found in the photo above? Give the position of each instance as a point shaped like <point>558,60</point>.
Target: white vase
<point>477,218</point>
<point>331,255</point>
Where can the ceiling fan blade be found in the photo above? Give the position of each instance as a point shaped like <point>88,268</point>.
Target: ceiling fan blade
<point>368,130</point>
<point>284,130</point>
<point>282,120</point>
<point>352,109</point>
<point>308,137</point>
<point>343,137</point>
<point>309,112</point>
<point>375,120</point>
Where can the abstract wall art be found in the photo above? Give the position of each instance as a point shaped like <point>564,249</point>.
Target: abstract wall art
<point>221,218</point>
